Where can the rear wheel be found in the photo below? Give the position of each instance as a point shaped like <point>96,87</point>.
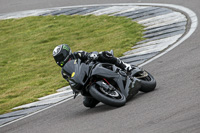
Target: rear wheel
<point>148,83</point>
<point>109,96</point>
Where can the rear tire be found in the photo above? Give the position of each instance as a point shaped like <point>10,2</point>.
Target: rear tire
<point>118,101</point>
<point>148,83</point>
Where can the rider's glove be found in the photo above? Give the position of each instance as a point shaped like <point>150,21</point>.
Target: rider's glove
<point>128,67</point>
<point>107,54</point>
<point>93,56</point>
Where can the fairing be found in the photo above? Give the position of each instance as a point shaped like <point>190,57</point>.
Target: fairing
<point>79,74</point>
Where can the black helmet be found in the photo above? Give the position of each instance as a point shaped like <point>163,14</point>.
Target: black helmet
<point>61,54</point>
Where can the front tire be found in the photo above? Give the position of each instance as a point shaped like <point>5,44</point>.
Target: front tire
<point>117,100</point>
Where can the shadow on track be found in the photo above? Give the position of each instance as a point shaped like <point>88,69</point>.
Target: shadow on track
<point>102,108</point>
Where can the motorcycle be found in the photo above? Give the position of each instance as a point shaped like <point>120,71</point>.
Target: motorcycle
<point>106,82</point>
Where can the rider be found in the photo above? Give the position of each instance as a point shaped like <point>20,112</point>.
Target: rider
<point>62,54</point>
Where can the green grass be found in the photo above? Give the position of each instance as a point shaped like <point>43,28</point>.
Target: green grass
<point>27,68</point>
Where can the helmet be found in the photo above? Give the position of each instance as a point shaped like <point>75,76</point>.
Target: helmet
<point>61,54</point>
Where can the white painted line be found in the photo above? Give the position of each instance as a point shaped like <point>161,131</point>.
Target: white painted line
<point>165,17</point>
<point>99,11</point>
<point>44,102</point>
<point>23,14</point>
<point>64,89</point>
<point>59,94</point>
<point>165,40</point>
<point>35,112</point>
<point>157,47</point>
<point>162,20</point>
<point>166,23</point>
<point>132,8</point>
<point>109,10</point>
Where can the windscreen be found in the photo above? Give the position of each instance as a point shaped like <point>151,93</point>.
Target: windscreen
<point>69,67</point>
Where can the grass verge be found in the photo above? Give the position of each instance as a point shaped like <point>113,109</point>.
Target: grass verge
<point>27,68</point>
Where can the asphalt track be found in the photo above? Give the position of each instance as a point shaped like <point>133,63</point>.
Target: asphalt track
<point>174,107</point>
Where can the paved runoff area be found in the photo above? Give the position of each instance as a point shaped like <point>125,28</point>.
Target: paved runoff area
<point>164,25</point>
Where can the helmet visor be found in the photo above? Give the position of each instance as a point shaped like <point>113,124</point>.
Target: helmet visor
<point>61,59</point>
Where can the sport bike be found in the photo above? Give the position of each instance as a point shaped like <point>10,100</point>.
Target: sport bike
<point>106,82</point>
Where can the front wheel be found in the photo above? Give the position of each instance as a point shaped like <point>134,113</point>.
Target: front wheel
<point>148,83</point>
<point>112,97</point>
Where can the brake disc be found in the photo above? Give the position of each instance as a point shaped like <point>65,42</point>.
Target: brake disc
<point>111,93</point>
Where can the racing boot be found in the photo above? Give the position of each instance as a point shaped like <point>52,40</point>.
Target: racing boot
<point>123,66</point>
<point>90,102</point>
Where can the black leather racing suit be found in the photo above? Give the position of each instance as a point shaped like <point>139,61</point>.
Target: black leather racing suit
<point>104,57</point>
